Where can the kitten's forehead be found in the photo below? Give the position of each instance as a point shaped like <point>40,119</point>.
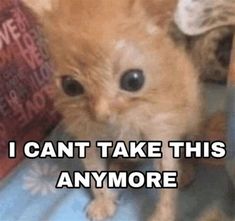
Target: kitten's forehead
<point>99,37</point>
<point>94,28</point>
<point>90,10</point>
<point>97,17</point>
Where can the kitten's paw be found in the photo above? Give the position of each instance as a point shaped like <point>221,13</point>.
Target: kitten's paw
<point>161,218</point>
<point>101,208</point>
<point>162,215</point>
<point>214,214</point>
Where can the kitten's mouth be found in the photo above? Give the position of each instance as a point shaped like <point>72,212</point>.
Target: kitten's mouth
<point>107,121</point>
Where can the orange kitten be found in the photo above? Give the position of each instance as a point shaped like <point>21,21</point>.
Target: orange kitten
<point>119,77</point>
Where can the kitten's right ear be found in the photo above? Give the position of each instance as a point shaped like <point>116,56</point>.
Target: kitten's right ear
<point>195,17</point>
<point>40,6</point>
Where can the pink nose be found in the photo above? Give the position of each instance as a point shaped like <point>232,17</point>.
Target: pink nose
<point>101,110</point>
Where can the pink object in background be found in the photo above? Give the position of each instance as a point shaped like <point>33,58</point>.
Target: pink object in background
<point>26,107</point>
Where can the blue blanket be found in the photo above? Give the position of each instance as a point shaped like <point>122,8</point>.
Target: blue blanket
<point>29,193</point>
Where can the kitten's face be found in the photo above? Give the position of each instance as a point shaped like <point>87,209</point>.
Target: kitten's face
<point>115,66</point>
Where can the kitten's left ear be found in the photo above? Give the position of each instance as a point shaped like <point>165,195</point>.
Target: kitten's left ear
<point>40,6</point>
<point>195,17</point>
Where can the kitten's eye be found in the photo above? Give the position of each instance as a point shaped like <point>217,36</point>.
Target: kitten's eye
<point>71,86</point>
<point>132,80</point>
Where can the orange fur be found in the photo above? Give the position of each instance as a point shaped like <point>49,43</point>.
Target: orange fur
<point>214,214</point>
<point>95,42</point>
